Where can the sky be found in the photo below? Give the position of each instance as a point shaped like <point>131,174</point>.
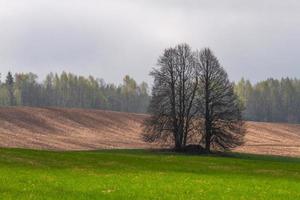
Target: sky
<point>254,39</point>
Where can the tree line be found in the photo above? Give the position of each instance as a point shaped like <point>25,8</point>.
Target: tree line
<point>270,100</point>
<point>193,102</point>
<point>69,90</point>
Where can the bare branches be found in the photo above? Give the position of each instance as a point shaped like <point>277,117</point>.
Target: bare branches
<point>192,93</point>
<point>175,85</point>
<point>218,104</point>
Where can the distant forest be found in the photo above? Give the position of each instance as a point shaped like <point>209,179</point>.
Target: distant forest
<point>72,91</point>
<point>270,100</point>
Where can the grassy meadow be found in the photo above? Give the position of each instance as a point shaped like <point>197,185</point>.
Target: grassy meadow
<point>141,174</point>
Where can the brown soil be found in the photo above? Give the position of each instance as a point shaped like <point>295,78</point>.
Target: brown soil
<point>80,129</point>
<point>272,138</point>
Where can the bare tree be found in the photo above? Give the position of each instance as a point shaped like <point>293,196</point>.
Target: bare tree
<point>218,105</point>
<point>192,92</point>
<point>173,95</point>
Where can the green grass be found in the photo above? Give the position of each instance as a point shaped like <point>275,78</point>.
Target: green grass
<point>138,174</point>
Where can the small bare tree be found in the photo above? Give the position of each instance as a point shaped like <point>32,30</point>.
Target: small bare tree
<point>173,95</point>
<point>218,106</point>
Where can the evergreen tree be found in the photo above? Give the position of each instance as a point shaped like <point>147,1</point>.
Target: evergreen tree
<point>10,88</point>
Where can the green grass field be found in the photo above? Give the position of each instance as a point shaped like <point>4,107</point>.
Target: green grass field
<point>138,174</point>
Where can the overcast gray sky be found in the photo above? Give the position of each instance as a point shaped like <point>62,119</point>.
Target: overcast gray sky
<point>255,39</point>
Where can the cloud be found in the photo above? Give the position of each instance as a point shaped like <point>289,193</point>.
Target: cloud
<point>253,39</point>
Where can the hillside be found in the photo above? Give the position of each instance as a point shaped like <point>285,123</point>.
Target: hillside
<point>79,129</point>
<point>69,129</point>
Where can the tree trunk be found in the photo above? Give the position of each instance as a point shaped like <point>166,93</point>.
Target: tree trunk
<point>207,142</point>
<point>178,145</point>
<point>207,111</point>
<point>184,139</point>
